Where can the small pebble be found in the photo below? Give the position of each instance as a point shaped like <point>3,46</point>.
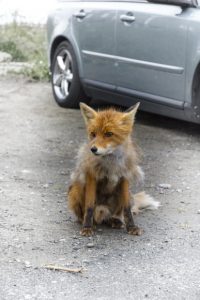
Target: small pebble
<point>76,248</point>
<point>86,261</point>
<point>63,173</point>
<point>27,264</point>
<point>45,186</point>
<point>62,240</point>
<point>90,245</point>
<point>165,185</point>
<point>198,211</point>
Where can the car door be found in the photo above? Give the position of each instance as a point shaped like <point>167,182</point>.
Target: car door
<point>151,50</point>
<point>96,26</point>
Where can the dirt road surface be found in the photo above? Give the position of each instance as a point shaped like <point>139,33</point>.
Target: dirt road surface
<point>38,144</point>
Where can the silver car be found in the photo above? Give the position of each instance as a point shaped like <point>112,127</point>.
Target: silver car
<point>125,51</point>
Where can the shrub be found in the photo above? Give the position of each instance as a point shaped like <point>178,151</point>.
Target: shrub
<point>11,48</point>
<point>26,43</point>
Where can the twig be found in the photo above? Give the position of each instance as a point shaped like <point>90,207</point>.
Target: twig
<point>63,269</point>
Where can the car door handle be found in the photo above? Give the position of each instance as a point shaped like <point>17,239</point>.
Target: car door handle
<point>80,15</point>
<point>129,18</point>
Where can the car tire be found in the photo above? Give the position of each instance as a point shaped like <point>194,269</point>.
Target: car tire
<point>66,85</point>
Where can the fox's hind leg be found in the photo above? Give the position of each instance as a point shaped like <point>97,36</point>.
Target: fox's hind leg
<point>76,200</point>
<point>126,203</point>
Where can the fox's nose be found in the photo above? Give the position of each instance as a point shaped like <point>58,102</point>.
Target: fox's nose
<point>94,149</point>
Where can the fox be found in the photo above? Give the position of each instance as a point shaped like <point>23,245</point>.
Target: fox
<point>107,167</point>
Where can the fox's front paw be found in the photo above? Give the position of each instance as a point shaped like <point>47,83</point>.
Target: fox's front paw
<point>134,230</point>
<point>87,231</point>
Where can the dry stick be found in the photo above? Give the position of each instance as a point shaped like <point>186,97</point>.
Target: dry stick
<point>63,269</point>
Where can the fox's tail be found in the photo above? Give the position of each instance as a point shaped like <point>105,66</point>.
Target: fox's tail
<point>143,201</point>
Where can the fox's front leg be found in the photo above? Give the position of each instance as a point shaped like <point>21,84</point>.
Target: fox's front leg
<point>128,217</point>
<point>90,195</point>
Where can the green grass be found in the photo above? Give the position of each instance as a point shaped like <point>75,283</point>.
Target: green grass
<point>10,47</point>
<point>26,44</point>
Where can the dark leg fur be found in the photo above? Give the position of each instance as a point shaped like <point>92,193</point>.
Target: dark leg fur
<point>88,223</point>
<point>128,217</point>
<point>130,225</point>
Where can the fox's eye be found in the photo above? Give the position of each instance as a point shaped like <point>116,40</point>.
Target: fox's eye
<point>93,134</point>
<point>108,134</point>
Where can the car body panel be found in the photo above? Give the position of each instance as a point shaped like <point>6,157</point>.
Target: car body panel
<point>153,59</point>
<point>151,41</point>
<point>97,34</point>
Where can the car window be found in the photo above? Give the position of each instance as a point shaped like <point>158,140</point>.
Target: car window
<point>69,1</point>
<point>102,0</point>
<point>193,2</point>
<point>113,1</point>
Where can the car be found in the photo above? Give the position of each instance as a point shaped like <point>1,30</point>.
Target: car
<point>127,51</point>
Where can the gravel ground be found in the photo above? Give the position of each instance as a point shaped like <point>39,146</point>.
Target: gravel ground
<point>38,144</point>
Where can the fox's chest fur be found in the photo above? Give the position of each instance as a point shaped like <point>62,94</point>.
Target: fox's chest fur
<point>107,170</point>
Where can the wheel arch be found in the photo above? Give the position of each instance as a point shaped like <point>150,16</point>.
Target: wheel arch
<point>196,92</point>
<point>59,39</point>
<point>55,43</point>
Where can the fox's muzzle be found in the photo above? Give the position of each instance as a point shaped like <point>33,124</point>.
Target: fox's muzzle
<point>94,150</point>
<point>101,151</point>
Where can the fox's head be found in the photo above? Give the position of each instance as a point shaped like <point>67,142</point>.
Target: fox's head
<point>107,129</point>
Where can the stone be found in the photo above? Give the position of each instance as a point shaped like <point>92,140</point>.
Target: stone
<point>5,57</point>
<point>164,185</point>
<point>90,245</point>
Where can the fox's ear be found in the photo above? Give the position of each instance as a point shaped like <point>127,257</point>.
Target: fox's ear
<point>129,115</point>
<point>87,112</point>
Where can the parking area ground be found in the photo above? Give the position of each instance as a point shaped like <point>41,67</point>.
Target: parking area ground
<point>38,145</point>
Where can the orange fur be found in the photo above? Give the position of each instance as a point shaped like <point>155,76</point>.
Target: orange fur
<point>120,124</point>
<point>106,167</point>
